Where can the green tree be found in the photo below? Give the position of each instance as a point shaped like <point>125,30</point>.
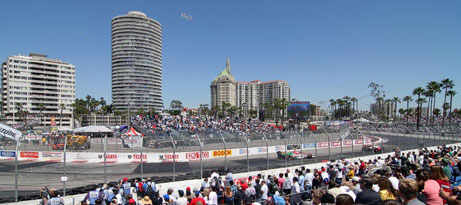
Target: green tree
<point>418,92</point>
<point>388,103</point>
<point>88,100</point>
<point>434,88</point>
<point>377,92</point>
<point>396,100</point>
<point>407,99</point>
<point>176,105</point>
<point>429,94</point>
<point>41,107</point>
<point>446,84</point>
<point>451,93</point>
<point>61,107</point>
<point>437,112</point>
<point>402,112</point>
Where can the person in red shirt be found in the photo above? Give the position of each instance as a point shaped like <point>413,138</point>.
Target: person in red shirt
<point>243,184</point>
<point>197,199</point>
<point>280,181</point>
<point>441,179</point>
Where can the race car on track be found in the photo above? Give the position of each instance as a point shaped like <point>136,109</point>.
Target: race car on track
<point>372,148</point>
<point>294,155</point>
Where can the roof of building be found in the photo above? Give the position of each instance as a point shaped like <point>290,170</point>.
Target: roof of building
<point>226,73</point>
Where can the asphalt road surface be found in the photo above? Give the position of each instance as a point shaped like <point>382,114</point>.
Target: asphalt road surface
<point>35,175</point>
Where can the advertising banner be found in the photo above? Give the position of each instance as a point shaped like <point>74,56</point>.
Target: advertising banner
<point>323,144</point>
<point>110,158</point>
<point>279,148</point>
<point>165,157</point>
<point>220,153</point>
<point>368,141</point>
<point>9,132</point>
<point>262,150</point>
<point>309,146</point>
<point>293,147</point>
<point>358,141</point>
<point>109,141</point>
<point>51,156</point>
<point>7,154</point>
<point>347,142</point>
<point>33,155</point>
<point>336,144</point>
<point>196,155</point>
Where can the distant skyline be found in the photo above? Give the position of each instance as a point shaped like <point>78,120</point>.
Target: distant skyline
<point>323,49</point>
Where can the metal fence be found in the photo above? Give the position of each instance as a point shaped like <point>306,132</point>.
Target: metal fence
<point>81,177</point>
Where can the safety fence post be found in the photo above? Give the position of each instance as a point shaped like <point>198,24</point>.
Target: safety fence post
<point>225,151</point>
<point>267,151</point>
<point>201,163</point>
<point>329,144</point>
<point>174,158</point>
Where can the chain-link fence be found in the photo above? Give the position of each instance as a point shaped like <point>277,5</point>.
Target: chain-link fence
<point>180,155</point>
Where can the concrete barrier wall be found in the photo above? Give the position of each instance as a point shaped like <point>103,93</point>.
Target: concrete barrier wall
<point>98,157</point>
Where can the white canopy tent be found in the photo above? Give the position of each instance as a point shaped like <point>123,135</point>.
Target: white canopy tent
<point>93,129</point>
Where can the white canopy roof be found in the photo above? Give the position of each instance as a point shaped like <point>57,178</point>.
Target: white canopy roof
<point>93,129</point>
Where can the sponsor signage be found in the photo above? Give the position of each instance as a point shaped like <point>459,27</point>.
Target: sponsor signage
<point>196,155</point>
<point>108,156</point>
<point>262,149</point>
<point>347,142</point>
<point>109,141</point>
<point>368,141</point>
<point>359,141</point>
<point>29,155</point>
<point>309,146</point>
<point>9,132</point>
<point>219,153</point>
<point>138,156</point>
<point>279,148</point>
<point>8,153</point>
<point>168,156</point>
<point>323,144</point>
<point>336,144</point>
<point>243,151</point>
<point>293,147</point>
<point>55,156</point>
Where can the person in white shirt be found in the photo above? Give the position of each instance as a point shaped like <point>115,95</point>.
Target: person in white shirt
<point>290,176</point>
<point>295,197</point>
<point>181,200</point>
<point>264,190</point>
<point>212,197</point>
<point>214,175</point>
<point>309,179</point>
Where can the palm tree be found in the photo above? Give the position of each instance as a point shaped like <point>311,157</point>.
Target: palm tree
<point>446,84</point>
<point>380,101</point>
<point>395,100</point>
<point>402,112</point>
<point>283,105</point>
<point>41,107</point>
<point>451,93</point>
<point>435,88</point>
<point>2,104</point>
<point>418,91</point>
<point>333,107</point>
<point>61,107</point>
<point>88,100</point>
<point>19,107</point>
<point>407,99</point>
<point>428,93</point>
<point>388,108</point>
<point>353,100</point>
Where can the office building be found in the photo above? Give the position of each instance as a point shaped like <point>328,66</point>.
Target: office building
<point>136,62</point>
<point>37,89</point>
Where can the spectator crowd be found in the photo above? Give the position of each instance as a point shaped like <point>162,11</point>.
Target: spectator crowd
<point>413,178</point>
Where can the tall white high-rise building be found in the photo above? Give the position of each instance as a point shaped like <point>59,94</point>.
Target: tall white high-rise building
<point>37,89</point>
<point>136,62</point>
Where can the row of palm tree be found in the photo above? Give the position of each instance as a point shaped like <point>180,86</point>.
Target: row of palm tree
<point>428,95</point>
<point>342,107</point>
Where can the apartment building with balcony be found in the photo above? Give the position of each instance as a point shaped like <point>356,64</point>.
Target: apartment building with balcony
<point>36,88</point>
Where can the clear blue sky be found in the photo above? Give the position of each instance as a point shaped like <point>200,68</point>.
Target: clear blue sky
<point>324,49</point>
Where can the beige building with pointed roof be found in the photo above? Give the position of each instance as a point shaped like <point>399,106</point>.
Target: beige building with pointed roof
<point>223,88</point>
